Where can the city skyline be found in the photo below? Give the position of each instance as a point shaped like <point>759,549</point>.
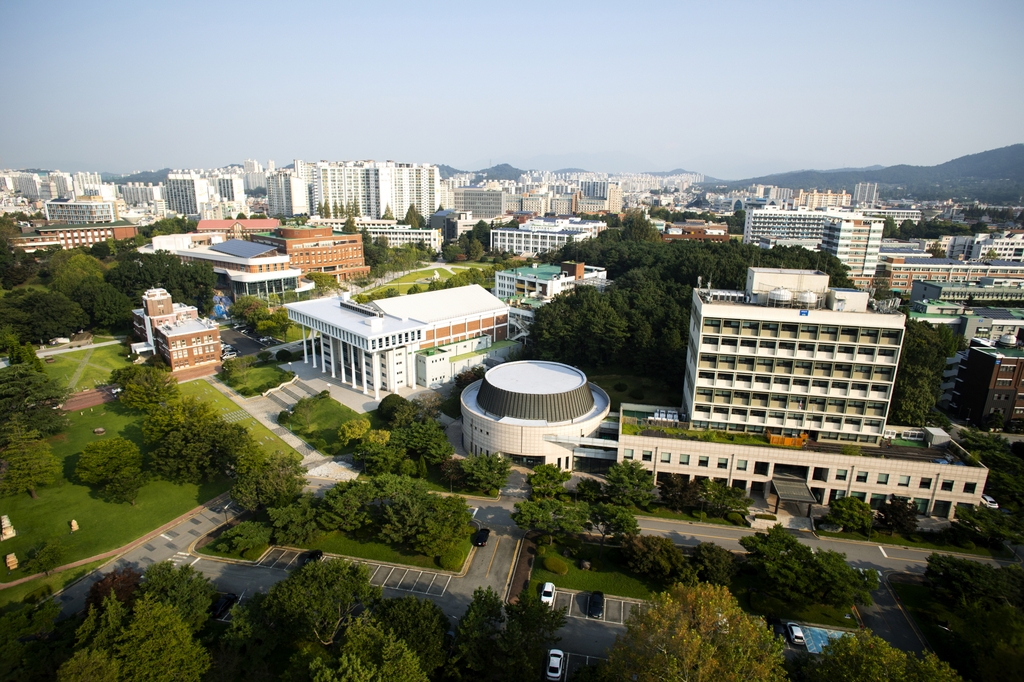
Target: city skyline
<point>722,90</point>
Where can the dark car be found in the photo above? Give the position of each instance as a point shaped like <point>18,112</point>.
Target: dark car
<point>481,537</point>
<point>223,605</point>
<point>312,556</point>
<point>596,607</point>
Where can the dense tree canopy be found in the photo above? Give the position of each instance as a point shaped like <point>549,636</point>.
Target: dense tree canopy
<point>694,633</point>
<point>642,323</point>
<point>188,283</point>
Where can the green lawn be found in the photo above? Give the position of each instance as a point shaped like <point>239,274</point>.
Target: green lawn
<point>94,364</point>
<point>259,379</point>
<point>750,592</point>
<point>12,598</point>
<point>608,574</point>
<point>223,406</point>
<point>660,512</point>
<point>347,544</point>
<point>327,416</point>
<point>916,542</point>
<point>653,391</point>
<point>103,526</point>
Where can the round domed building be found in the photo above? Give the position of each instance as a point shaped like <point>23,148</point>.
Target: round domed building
<point>534,412</point>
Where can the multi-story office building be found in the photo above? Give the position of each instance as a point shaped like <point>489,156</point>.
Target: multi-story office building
<point>1007,246</point>
<point>865,194</point>
<point>73,236</point>
<point>900,272</point>
<point>544,282</point>
<point>989,382</point>
<point>968,321</point>
<point>778,223</point>
<point>698,230</point>
<point>319,249</point>
<point>241,228</point>
<point>190,345</point>
<point>243,268</point>
<point>540,235</point>
<point>483,203</point>
<point>816,473</point>
<point>287,194</point>
<point>375,186</point>
<point>897,214</point>
<point>815,199</point>
<point>82,211</point>
<point>452,224</point>
<point>985,291</point>
<point>792,356</point>
<point>772,242</point>
<point>391,343</point>
<point>854,239</point>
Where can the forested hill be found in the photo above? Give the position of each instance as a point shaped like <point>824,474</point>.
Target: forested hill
<point>142,176</point>
<point>995,176</point>
<point>642,323</point>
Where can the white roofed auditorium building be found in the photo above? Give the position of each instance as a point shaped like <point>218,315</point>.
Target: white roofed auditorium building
<point>403,342</point>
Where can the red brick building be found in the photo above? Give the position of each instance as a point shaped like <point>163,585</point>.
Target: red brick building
<point>190,345</point>
<point>73,236</point>
<point>318,249</point>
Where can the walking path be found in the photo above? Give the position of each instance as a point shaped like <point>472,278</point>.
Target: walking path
<point>223,497</point>
<point>73,381</point>
<point>265,411</point>
<point>90,346</point>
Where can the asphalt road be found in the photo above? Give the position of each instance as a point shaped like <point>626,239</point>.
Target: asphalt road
<point>491,566</point>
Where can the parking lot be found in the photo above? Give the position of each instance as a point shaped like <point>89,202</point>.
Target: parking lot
<point>398,578</point>
<point>576,661</point>
<point>245,345</point>
<point>576,604</point>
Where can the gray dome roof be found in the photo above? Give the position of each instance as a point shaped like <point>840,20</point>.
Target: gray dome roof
<point>545,391</point>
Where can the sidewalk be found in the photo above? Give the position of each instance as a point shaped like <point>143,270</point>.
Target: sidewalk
<point>265,412</point>
<point>223,497</point>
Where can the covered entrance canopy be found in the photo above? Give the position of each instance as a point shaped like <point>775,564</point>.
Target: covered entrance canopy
<point>789,489</point>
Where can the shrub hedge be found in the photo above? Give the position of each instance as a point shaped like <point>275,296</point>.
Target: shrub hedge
<point>555,565</point>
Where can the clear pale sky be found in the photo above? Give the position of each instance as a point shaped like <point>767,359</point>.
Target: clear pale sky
<point>731,89</point>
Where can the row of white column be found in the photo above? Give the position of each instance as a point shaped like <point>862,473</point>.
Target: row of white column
<point>352,351</point>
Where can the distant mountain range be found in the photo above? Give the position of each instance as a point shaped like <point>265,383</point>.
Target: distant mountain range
<point>502,171</point>
<point>142,176</point>
<point>994,176</point>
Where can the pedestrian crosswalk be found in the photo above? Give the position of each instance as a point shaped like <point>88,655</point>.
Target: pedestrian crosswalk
<point>183,558</point>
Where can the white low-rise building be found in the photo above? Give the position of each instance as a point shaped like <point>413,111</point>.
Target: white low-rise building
<point>540,235</point>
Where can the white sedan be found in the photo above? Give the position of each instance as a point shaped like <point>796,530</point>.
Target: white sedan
<point>989,502</point>
<point>547,594</point>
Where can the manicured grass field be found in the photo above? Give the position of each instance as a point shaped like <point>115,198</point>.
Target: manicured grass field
<point>201,389</point>
<point>103,526</point>
<point>753,598</point>
<point>260,379</point>
<point>12,598</point>
<point>608,574</point>
<point>327,416</point>
<point>919,543</point>
<point>86,368</point>
<point>654,391</point>
<point>372,550</point>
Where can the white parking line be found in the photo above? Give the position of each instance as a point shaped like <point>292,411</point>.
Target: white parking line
<point>432,578</point>
<point>166,537</point>
<point>882,550</point>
